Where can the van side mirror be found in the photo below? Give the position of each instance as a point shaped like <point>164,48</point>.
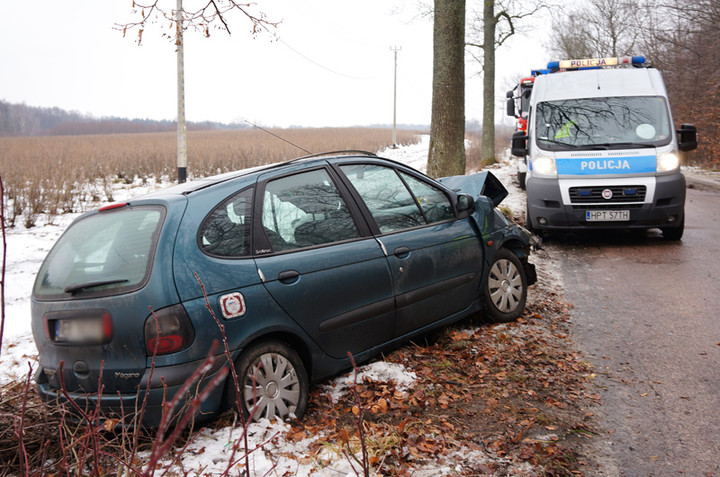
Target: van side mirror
<point>687,137</point>
<point>519,144</point>
<point>510,106</point>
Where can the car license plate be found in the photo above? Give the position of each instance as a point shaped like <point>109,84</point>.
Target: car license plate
<point>79,331</point>
<point>607,215</point>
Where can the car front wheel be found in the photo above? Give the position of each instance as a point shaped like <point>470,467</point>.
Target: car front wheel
<point>273,382</point>
<point>505,292</point>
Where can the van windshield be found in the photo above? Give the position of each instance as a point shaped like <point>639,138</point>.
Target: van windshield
<point>108,252</point>
<point>603,123</point>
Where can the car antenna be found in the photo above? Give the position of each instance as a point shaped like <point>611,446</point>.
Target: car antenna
<point>279,137</point>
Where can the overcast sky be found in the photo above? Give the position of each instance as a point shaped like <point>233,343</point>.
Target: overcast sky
<point>328,63</point>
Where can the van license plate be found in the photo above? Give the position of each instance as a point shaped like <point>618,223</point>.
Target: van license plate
<point>607,215</point>
<point>79,331</point>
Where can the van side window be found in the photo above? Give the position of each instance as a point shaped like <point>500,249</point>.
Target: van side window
<point>304,210</point>
<point>226,230</point>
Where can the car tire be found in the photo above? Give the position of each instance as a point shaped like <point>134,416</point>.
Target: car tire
<point>521,179</point>
<point>273,382</point>
<point>505,291</point>
<point>673,233</point>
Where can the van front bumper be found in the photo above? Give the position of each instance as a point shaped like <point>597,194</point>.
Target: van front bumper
<point>548,210</point>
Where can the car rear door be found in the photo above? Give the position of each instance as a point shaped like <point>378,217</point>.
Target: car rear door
<point>319,262</point>
<point>435,258</point>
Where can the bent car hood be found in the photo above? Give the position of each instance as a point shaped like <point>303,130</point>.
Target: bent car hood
<point>481,183</point>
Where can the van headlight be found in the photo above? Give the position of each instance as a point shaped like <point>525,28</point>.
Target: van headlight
<point>544,166</point>
<point>668,162</point>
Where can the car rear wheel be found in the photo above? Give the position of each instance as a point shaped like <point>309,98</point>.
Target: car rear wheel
<point>273,382</point>
<point>505,292</point>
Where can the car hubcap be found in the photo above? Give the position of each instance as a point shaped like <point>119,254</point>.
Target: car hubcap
<point>271,388</point>
<point>505,285</point>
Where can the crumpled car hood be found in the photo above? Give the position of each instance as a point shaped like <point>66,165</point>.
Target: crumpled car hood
<point>481,183</point>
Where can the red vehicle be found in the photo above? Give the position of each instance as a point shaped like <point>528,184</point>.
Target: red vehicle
<point>518,104</point>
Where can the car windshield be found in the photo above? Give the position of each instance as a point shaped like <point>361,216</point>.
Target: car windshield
<point>103,252</point>
<point>603,123</point>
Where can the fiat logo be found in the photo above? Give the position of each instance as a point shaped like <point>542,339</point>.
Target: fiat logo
<point>607,194</point>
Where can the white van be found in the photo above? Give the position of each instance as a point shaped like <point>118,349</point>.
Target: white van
<point>602,151</point>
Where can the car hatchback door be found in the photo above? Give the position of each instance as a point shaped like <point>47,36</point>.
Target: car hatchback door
<point>435,258</point>
<point>320,264</point>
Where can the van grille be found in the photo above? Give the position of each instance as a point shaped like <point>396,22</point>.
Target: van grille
<point>620,194</point>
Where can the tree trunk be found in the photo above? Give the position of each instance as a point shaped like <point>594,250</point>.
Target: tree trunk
<point>447,126</point>
<point>487,149</point>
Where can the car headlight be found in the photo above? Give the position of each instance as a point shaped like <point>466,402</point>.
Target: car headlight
<point>544,166</point>
<point>668,162</point>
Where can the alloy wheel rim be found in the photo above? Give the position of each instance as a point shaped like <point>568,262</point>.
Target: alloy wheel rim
<point>271,387</point>
<point>505,286</point>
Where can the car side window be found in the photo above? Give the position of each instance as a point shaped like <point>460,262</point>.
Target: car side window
<point>305,209</point>
<point>391,203</point>
<point>226,230</point>
<point>435,204</point>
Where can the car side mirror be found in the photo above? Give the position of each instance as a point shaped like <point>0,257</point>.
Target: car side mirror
<point>465,202</point>
<point>687,137</point>
<point>519,144</point>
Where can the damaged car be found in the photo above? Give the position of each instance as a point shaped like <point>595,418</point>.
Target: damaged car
<point>293,268</point>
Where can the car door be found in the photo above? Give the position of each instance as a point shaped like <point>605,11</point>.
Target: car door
<point>319,262</point>
<point>435,258</point>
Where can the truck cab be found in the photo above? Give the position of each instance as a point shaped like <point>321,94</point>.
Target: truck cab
<point>601,149</point>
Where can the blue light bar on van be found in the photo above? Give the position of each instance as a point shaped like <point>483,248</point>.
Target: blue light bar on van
<point>596,62</point>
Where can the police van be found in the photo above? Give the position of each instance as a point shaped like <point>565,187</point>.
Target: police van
<point>602,151</point>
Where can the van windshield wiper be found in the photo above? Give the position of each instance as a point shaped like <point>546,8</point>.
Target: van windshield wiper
<point>73,289</point>
<point>560,143</point>
<point>621,145</point>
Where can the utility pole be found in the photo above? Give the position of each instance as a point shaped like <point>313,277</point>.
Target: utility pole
<point>395,50</point>
<point>181,128</point>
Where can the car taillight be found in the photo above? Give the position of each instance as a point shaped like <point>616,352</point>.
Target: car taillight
<point>168,330</point>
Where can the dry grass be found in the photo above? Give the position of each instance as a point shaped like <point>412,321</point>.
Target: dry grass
<point>54,175</point>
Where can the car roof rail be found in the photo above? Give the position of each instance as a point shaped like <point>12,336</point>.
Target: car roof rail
<point>348,152</point>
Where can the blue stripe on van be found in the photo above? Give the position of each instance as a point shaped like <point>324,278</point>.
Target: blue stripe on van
<point>606,165</point>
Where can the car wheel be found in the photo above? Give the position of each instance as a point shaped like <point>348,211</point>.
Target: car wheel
<point>673,233</point>
<point>273,382</point>
<point>505,292</point>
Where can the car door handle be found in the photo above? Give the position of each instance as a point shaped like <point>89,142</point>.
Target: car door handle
<point>288,277</point>
<point>402,252</point>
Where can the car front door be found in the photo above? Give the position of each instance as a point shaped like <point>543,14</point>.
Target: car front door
<point>435,258</point>
<point>320,264</point>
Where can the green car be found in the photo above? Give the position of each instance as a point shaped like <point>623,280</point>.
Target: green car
<point>284,271</point>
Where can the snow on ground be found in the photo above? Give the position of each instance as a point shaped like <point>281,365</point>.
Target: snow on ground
<point>209,452</point>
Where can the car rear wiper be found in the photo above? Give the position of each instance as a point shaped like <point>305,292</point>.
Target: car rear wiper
<point>73,289</point>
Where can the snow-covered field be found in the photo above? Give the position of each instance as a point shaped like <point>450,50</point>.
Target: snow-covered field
<point>209,451</point>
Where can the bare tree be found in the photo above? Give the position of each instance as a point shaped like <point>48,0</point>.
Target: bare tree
<point>597,28</point>
<point>211,14</point>
<point>447,125</point>
<point>497,23</point>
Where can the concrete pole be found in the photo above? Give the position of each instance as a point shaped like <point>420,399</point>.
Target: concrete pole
<point>395,50</point>
<point>181,127</point>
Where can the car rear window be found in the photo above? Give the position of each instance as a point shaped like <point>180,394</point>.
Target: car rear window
<point>105,253</point>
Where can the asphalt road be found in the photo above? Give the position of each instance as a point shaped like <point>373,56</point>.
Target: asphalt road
<point>647,315</point>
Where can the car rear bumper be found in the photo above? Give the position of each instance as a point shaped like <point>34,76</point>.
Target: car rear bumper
<point>144,406</point>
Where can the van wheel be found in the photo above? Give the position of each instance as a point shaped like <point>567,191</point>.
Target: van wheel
<point>521,179</point>
<point>273,382</point>
<point>505,292</point>
<point>673,233</point>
